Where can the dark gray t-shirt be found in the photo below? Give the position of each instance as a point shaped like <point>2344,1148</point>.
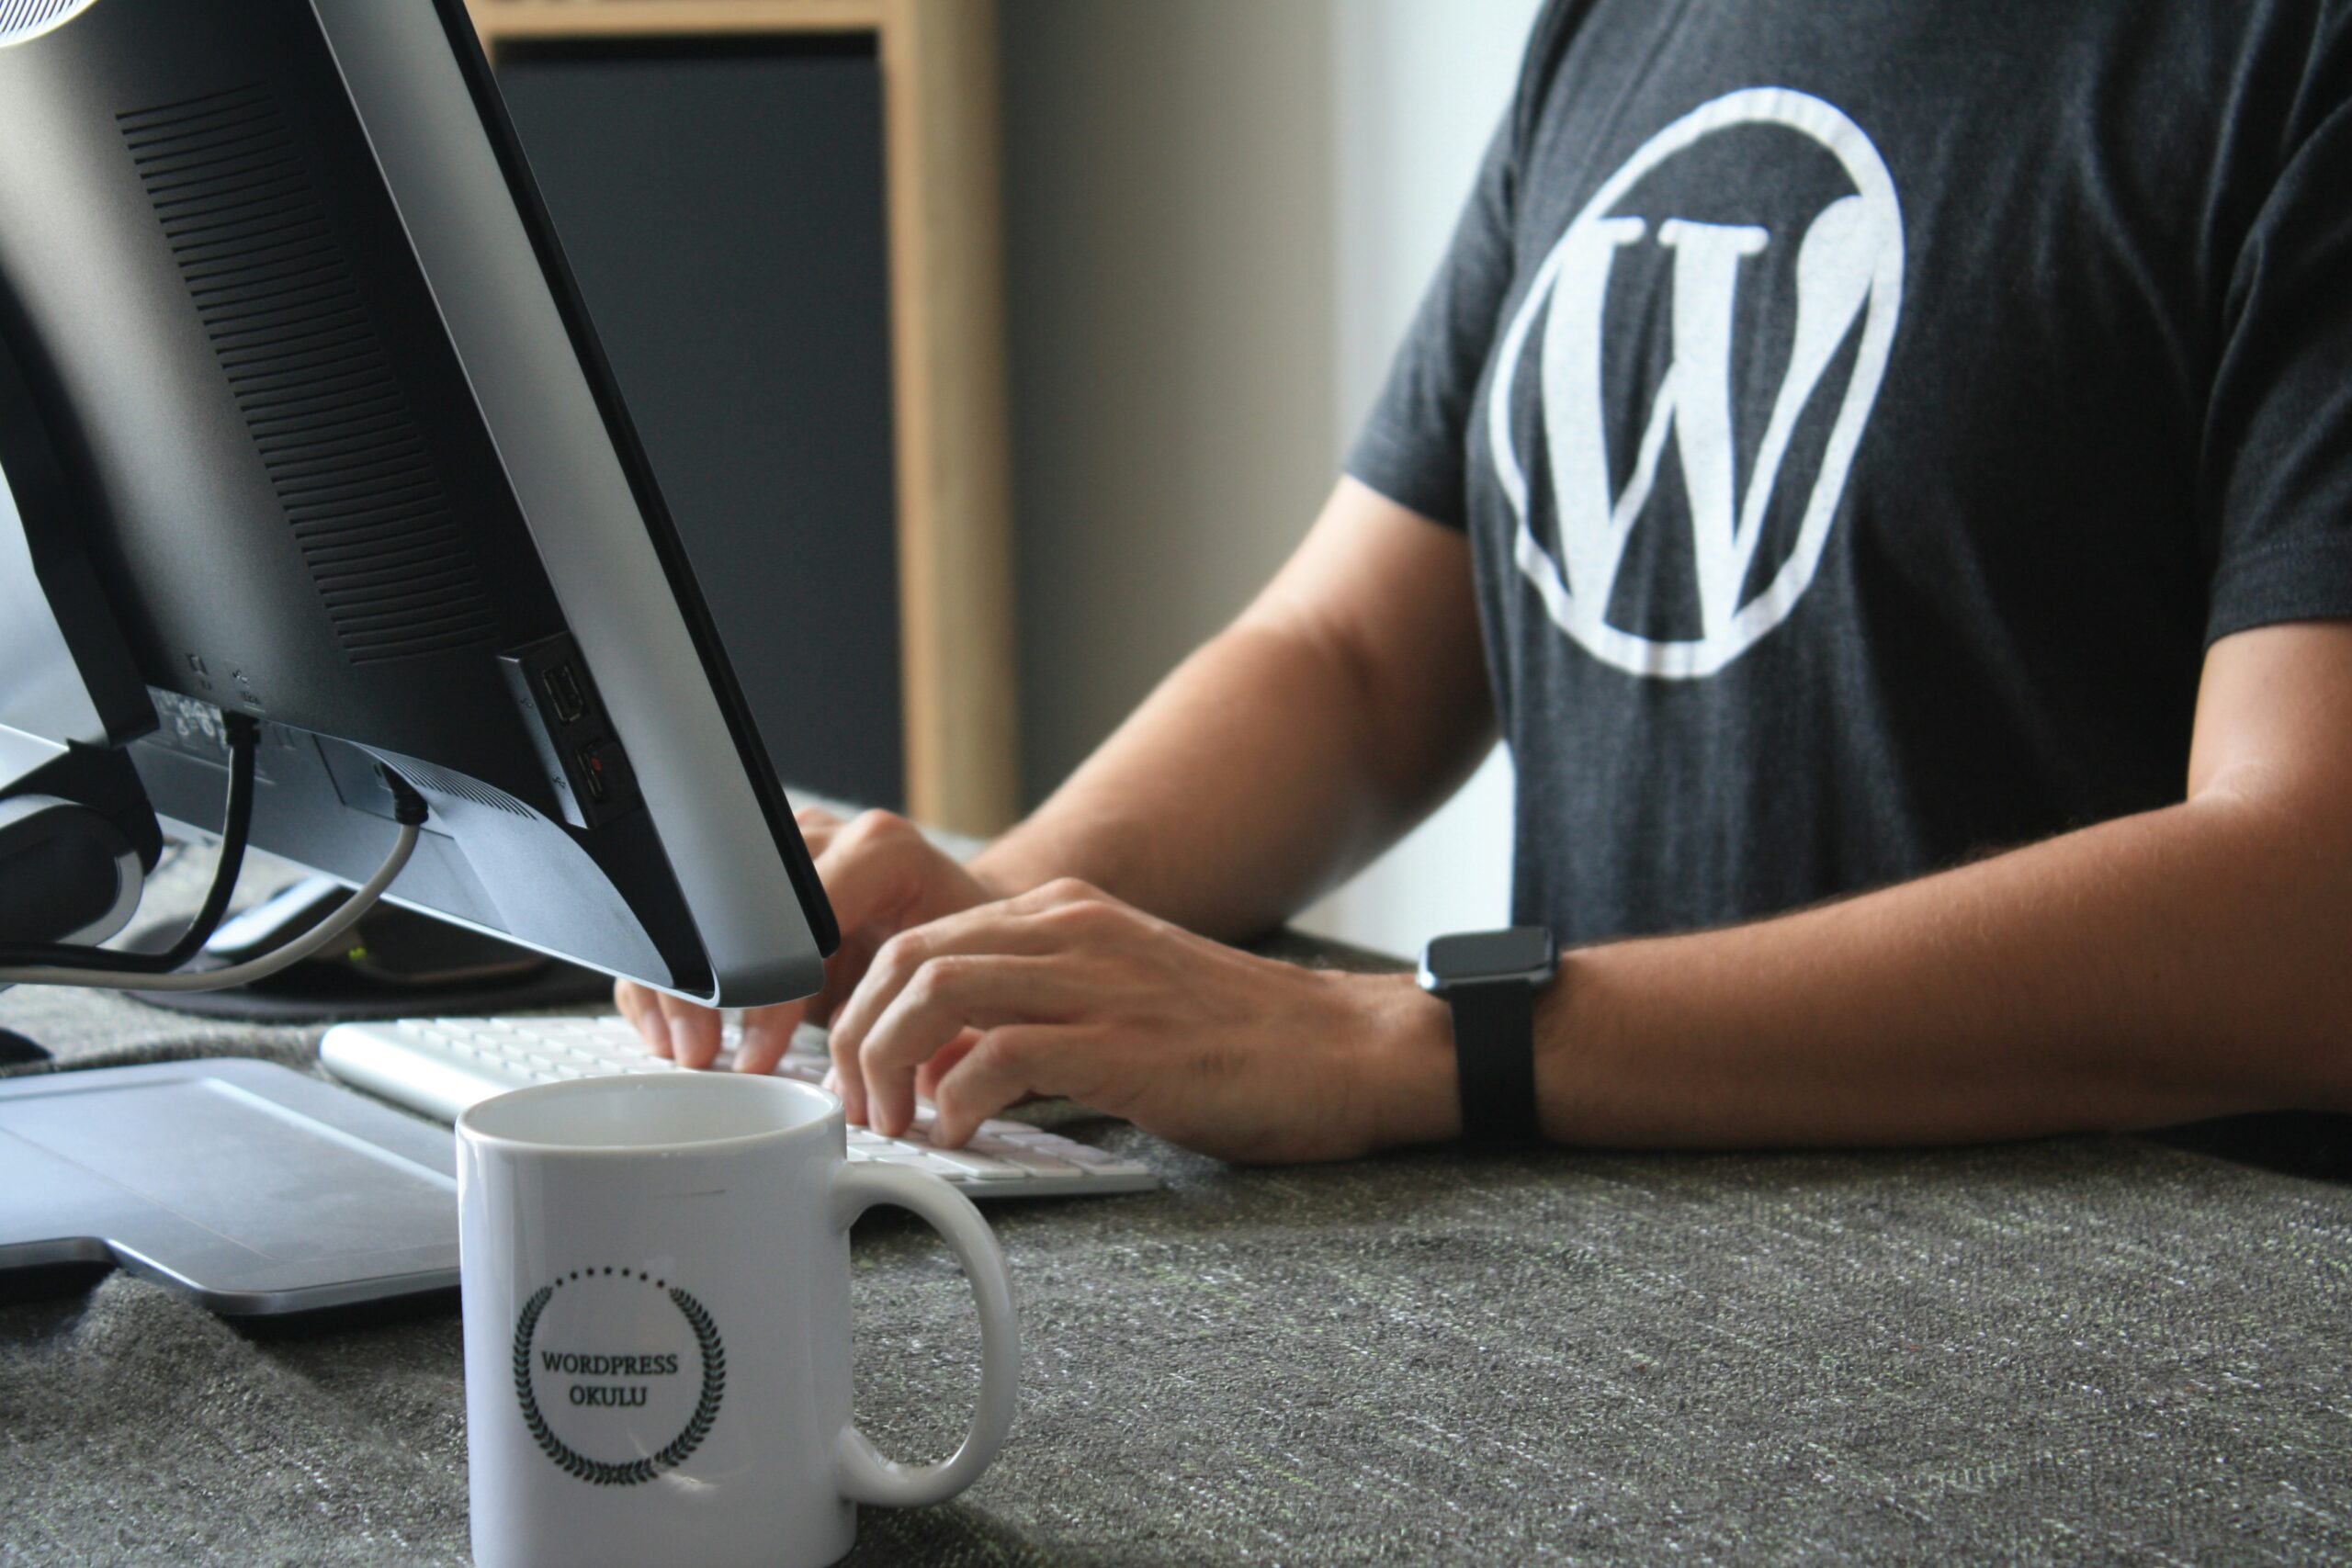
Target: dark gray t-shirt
<point>1864,416</point>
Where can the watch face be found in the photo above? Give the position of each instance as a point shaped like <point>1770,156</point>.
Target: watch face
<point>1488,955</point>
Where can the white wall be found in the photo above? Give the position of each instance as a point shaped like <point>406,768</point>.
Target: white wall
<point>1221,216</point>
<point>1420,87</point>
<point>1169,191</point>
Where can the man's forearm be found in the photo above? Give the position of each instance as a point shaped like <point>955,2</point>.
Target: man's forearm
<point>1345,702</point>
<point>1231,796</point>
<point>2185,963</point>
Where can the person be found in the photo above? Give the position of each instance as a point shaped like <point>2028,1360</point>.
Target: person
<point>1886,472</point>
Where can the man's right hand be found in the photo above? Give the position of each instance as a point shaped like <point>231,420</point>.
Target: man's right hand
<point>1339,709</point>
<point>883,876</point>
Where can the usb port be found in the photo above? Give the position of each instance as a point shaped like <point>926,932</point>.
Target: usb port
<point>593,784</point>
<point>565,699</point>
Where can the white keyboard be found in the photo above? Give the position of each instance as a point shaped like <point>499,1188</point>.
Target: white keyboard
<point>440,1066</point>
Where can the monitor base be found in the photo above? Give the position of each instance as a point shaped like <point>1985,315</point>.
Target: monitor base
<point>398,965</point>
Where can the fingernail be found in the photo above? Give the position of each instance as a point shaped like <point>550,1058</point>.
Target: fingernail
<point>753,1040</point>
<point>664,1042</point>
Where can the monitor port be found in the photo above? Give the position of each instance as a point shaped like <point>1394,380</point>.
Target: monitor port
<point>565,699</point>
<point>593,782</point>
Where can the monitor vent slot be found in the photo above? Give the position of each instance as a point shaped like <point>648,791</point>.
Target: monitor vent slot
<point>20,19</point>
<point>435,781</point>
<point>308,369</point>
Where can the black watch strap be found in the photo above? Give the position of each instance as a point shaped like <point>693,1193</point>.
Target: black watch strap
<point>1493,1055</point>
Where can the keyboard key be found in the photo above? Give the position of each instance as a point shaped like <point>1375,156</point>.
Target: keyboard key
<point>898,1152</point>
<point>1035,1159</point>
<point>981,1167</point>
<point>1097,1160</point>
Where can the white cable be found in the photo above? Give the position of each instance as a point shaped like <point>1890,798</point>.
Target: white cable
<point>319,937</point>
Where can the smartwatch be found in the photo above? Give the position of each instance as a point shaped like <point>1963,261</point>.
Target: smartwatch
<point>1488,981</point>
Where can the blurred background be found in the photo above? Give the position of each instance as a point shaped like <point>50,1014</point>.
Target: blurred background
<point>1220,215</point>
<point>1037,330</point>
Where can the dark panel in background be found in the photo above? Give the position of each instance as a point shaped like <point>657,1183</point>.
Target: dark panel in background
<point>722,206</point>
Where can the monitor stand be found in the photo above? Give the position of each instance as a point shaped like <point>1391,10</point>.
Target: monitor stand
<point>396,964</point>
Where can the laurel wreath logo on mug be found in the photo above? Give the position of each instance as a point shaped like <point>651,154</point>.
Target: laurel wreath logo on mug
<point>614,1231</point>
<point>597,1383</point>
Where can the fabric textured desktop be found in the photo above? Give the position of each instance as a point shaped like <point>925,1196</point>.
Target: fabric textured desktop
<point>2080,1350</point>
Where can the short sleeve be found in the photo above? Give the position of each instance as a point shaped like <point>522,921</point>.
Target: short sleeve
<point>1414,448</point>
<point>2279,433</point>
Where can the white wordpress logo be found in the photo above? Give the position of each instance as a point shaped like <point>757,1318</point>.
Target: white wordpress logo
<point>1849,265</point>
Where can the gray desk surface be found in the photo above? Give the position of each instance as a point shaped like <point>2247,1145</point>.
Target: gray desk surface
<point>2071,1352</point>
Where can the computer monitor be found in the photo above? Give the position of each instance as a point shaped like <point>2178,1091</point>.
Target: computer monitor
<point>305,422</point>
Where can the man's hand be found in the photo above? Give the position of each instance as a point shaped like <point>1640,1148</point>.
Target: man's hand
<point>1344,703</point>
<point>882,875</point>
<point>976,1002</point>
<point>1066,991</point>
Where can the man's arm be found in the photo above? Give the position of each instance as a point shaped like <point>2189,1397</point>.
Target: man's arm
<point>1348,700</point>
<point>2184,961</point>
<point>2193,961</point>
<point>1339,709</point>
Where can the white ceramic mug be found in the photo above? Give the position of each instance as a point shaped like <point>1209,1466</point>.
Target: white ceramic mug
<point>657,1321</point>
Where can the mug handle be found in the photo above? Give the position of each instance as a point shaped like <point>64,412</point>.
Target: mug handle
<point>863,1474</point>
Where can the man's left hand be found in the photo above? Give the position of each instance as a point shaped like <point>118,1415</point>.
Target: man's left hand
<point>1066,991</point>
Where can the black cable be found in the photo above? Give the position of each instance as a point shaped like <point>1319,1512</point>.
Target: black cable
<point>236,831</point>
<point>335,928</point>
<point>408,806</point>
<point>236,828</point>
